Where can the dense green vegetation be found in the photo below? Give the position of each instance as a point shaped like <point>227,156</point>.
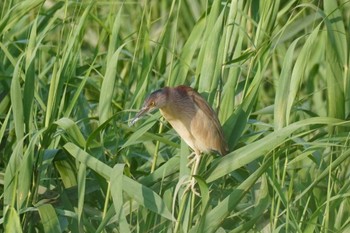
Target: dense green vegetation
<point>73,73</point>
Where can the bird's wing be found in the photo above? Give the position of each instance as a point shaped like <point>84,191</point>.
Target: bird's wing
<point>209,112</point>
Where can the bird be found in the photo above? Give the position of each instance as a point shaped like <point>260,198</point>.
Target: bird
<point>190,116</point>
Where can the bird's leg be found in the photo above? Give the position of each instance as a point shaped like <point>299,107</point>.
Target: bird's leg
<point>195,161</point>
<point>194,170</point>
<point>192,158</point>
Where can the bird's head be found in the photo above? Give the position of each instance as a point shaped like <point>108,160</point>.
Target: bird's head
<point>155,100</point>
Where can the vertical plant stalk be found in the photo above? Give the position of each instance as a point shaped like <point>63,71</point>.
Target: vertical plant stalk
<point>108,194</point>
<point>156,151</point>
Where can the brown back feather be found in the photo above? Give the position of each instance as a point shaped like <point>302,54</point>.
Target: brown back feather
<point>200,101</point>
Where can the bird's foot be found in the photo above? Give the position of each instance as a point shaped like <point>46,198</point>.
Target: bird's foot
<point>190,186</point>
<point>193,188</point>
<point>194,159</point>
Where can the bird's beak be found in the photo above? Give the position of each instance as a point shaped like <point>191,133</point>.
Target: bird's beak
<point>138,116</point>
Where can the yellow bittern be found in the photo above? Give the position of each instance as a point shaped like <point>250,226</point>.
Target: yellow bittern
<point>190,116</point>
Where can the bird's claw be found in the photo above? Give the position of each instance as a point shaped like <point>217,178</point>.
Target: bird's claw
<point>191,186</point>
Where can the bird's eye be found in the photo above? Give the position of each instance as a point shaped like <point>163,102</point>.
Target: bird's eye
<point>152,104</point>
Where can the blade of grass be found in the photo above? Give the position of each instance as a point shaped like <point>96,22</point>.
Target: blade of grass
<point>25,174</point>
<point>336,59</point>
<point>206,63</point>
<point>72,130</point>
<point>16,100</point>
<point>82,176</point>
<point>283,88</point>
<point>108,84</point>
<point>183,65</point>
<point>214,217</point>
<point>117,195</point>
<point>49,218</point>
<point>29,83</point>
<point>11,175</point>
<point>4,124</point>
<point>211,66</point>
<point>140,193</point>
<point>17,12</point>
<point>249,153</point>
<point>12,221</point>
<point>298,72</point>
<point>64,68</point>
